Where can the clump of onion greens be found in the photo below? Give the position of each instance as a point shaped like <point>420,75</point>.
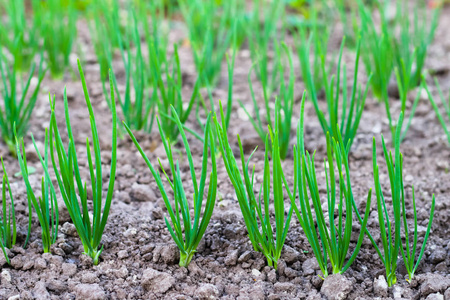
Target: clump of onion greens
<point>156,32</point>
<point>399,42</point>
<point>443,111</point>
<point>73,190</point>
<point>285,100</point>
<point>137,104</point>
<point>193,229</point>
<point>316,39</point>
<point>45,205</point>
<point>344,115</point>
<point>399,46</point>
<point>150,88</point>
<point>20,33</point>
<point>106,31</point>
<point>391,236</point>
<point>330,241</point>
<point>170,96</point>
<point>18,103</point>
<point>416,35</point>
<point>58,30</point>
<point>255,207</point>
<point>212,29</point>
<point>261,37</point>
<point>8,227</point>
<point>377,50</point>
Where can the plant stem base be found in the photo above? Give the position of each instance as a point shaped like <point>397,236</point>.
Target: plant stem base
<point>185,258</point>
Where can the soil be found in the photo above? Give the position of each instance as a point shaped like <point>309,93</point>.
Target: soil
<point>140,260</point>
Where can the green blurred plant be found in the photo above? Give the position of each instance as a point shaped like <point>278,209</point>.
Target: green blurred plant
<point>58,30</point>
<point>284,105</point>
<point>263,33</point>
<point>20,33</point>
<point>18,105</point>
<point>107,32</point>
<point>343,117</point>
<point>137,108</point>
<point>443,111</point>
<point>316,39</point>
<point>212,30</point>
<point>156,32</point>
<point>169,95</point>
<point>377,49</point>
<point>411,46</point>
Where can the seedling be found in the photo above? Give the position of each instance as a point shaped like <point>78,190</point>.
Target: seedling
<point>169,95</point>
<point>17,108</point>
<point>73,190</point>
<point>46,205</point>
<point>156,32</point>
<point>345,115</point>
<point>260,39</point>
<point>391,233</point>
<point>212,28</point>
<point>347,13</point>
<point>333,240</point>
<point>8,228</point>
<point>164,79</point>
<point>377,50</point>
<point>20,33</point>
<point>403,83</point>
<point>255,207</point>
<point>58,31</point>
<point>317,40</point>
<point>440,112</point>
<point>403,53</point>
<point>417,36</point>
<point>193,229</point>
<point>105,30</point>
<point>137,109</point>
<point>283,107</point>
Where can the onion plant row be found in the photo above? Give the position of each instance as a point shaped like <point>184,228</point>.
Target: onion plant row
<point>153,87</point>
<point>330,240</point>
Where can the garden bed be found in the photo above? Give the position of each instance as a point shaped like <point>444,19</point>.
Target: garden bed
<point>140,260</point>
